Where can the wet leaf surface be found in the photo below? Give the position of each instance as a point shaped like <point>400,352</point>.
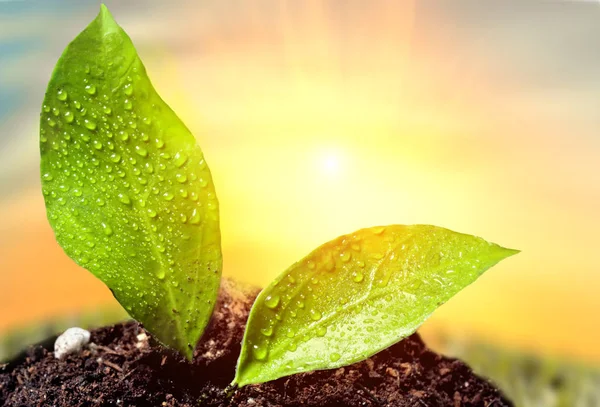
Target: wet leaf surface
<point>127,190</point>
<point>356,295</point>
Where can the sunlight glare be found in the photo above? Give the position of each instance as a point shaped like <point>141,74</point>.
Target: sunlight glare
<point>330,163</point>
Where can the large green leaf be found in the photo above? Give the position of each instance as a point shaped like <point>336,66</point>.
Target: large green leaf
<point>127,190</point>
<point>356,295</point>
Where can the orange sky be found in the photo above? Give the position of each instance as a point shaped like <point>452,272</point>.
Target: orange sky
<point>315,125</point>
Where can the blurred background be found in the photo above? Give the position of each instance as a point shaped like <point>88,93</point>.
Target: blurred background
<point>321,117</point>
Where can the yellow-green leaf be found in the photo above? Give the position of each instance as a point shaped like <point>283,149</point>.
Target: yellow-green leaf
<point>356,295</point>
<point>127,190</point>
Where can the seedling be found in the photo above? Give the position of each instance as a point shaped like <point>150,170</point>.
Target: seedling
<point>130,198</point>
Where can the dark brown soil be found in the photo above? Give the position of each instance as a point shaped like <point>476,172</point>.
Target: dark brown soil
<point>120,370</point>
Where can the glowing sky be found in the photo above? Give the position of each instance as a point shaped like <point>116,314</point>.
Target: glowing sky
<point>317,120</point>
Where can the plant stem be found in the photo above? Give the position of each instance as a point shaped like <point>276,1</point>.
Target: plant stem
<point>230,390</point>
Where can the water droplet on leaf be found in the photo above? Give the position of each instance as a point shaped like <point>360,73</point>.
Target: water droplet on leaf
<point>260,352</point>
<point>108,231</point>
<point>61,95</point>
<point>272,301</point>
<point>91,89</point>
<point>141,151</point>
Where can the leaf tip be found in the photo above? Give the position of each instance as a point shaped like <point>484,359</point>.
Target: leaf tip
<point>106,20</point>
<point>499,253</point>
<point>511,252</point>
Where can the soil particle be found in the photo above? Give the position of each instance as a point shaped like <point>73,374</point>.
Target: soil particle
<point>124,367</point>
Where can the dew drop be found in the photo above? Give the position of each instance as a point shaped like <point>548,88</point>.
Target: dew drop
<point>334,357</point>
<point>127,104</point>
<point>160,274</point>
<point>108,231</point>
<point>272,301</point>
<point>124,199</point>
<point>115,158</point>
<point>69,117</point>
<point>61,95</point>
<point>182,178</point>
<point>167,196</point>
<point>152,213</point>
<point>378,230</point>
<point>195,218</point>
<point>315,315</point>
<point>98,145</point>
<point>107,110</point>
<point>179,159</point>
<point>91,89</point>
<point>321,331</point>
<point>259,352</point>
<point>47,177</point>
<point>345,256</point>
<point>358,277</point>
<point>267,331</point>
<point>89,124</point>
<point>141,151</point>
<point>377,256</point>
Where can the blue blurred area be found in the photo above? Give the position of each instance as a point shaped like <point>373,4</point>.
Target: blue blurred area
<point>11,50</point>
<point>33,34</point>
<point>545,53</point>
<point>18,41</point>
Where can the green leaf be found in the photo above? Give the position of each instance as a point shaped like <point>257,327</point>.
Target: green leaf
<point>356,295</point>
<point>127,190</point>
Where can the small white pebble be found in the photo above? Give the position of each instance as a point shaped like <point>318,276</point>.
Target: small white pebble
<point>142,341</point>
<point>251,402</point>
<point>71,341</point>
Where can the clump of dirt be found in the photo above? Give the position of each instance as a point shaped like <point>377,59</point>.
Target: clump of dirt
<point>123,367</point>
